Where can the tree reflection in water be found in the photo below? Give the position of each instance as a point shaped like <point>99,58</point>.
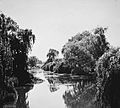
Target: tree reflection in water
<point>80,92</point>
<point>22,96</point>
<point>77,98</point>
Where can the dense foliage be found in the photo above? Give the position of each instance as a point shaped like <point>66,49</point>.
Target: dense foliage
<point>15,43</point>
<point>61,66</point>
<point>80,53</point>
<point>52,54</point>
<point>51,61</point>
<point>83,50</point>
<point>87,53</point>
<point>90,54</point>
<point>108,72</point>
<point>33,61</point>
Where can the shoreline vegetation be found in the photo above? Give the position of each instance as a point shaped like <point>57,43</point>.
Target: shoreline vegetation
<point>88,55</point>
<point>15,43</point>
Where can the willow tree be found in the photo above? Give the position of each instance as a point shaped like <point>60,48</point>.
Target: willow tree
<point>15,43</point>
<point>7,28</point>
<point>20,46</point>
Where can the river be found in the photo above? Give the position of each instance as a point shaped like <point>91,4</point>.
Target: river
<point>56,91</point>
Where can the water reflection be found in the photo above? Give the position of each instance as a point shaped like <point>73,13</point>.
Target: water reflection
<point>19,94</point>
<point>22,96</point>
<point>80,92</point>
<point>58,91</point>
<point>78,98</point>
<point>20,102</point>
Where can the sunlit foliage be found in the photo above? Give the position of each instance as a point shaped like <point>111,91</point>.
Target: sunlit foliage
<point>84,49</point>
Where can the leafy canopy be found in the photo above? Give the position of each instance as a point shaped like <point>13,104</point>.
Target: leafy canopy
<point>15,43</point>
<point>84,49</point>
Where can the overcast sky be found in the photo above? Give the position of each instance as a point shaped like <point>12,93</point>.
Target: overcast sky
<point>54,21</point>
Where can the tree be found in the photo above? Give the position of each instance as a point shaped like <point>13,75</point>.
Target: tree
<point>32,61</point>
<point>52,54</point>
<point>108,76</point>
<point>83,50</point>
<point>7,28</point>
<point>61,66</point>
<point>51,61</point>
<point>15,43</point>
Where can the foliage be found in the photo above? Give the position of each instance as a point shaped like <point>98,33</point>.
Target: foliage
<point>57,66</point>
<point>15,43</point>
<point>33,60</point>
<point>52,54</point>
<point>50,63</point>
<point>108,76</point>
<point>61,67</point>
<point>8,96</point>
<point>48,66</point>
<point>84,49</point>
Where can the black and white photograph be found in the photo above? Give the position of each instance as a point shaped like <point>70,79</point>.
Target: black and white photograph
<point>59,54</point>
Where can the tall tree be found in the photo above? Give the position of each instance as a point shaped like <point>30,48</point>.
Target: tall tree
<point>84,49</point>
<point>20,45</point>
<point>7,28</point>
<point>15,43</point>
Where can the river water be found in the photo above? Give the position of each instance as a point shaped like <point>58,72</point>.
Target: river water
<point>56,91</point>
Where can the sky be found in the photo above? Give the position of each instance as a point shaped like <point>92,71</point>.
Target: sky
<point>54,21</point>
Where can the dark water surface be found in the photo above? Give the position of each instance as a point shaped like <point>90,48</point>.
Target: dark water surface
<point>57,91</point>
